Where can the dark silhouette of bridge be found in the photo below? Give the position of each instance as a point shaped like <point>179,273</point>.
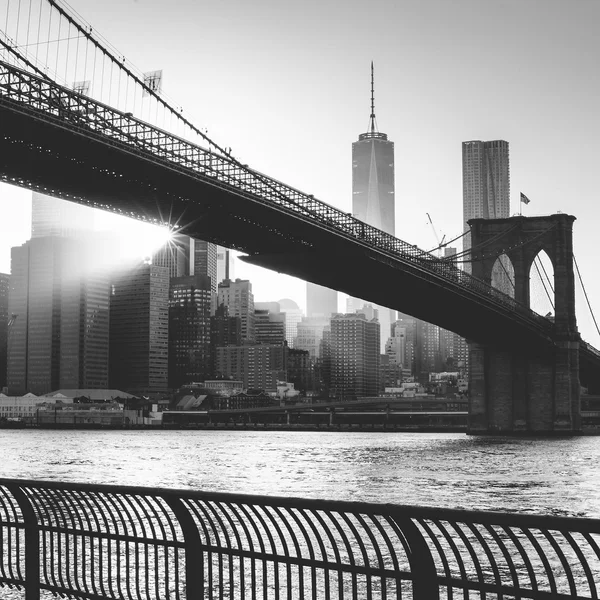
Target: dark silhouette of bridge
<point>64,143</point>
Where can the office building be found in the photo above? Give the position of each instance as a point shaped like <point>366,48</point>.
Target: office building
<point>238,297</point>
<point>320,301</point>
<point>225,264</point>
<point>293,316</point>
<point>401,346</point>
<point>204,260</point>
<point>454,352</point>
<point>390,373</point>
<point>224,331</point>
<point>486,184</point>
<point>5,324</point>
<point>428,357</point>
<point>309,335</point>
<point>59,302</point>
<point>354,356</point>
<point>269,327</point>
<point>373,190</point>
<point>300,370</point>
<point>258,366</point>
<point>52,216</point>
<point>139,330</point>
<point>190,302</point>
<point>174,255</point>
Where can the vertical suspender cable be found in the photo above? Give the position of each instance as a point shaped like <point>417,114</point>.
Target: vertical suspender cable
<point>58,45</point>
<point>37,60</point>
<point>49,33</point>
<point>28,26</point>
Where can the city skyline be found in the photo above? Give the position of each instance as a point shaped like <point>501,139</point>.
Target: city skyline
<point>536,93</point>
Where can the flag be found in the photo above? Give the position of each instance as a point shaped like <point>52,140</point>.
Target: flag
<point>524,199</point>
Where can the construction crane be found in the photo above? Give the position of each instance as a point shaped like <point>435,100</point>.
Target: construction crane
<point>437,237</point>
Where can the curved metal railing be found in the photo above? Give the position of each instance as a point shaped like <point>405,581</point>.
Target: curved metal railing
<point>92,541</point>
<point>93,118</point>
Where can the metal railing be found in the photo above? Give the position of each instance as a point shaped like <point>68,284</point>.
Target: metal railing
<point>93,541</point>
<point>25,91</point>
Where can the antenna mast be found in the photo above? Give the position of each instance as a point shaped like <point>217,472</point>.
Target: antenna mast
<point>372,121</point>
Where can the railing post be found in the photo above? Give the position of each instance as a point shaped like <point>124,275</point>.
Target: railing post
<point>194,576</point>
<point>422,567</point>
<point>32,543</point>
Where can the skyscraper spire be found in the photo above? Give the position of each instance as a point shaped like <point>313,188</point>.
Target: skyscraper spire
<point>372,120</point>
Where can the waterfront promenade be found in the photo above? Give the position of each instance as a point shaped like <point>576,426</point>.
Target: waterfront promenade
<point>92,541</point>
<point>552,477</point>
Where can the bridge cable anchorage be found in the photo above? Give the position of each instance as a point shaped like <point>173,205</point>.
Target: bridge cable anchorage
<point>585,294</point>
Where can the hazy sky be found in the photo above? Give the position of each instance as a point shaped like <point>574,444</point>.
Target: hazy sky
<point>286,85</point>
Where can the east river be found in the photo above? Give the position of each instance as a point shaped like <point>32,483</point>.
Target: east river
<point>543,476</point>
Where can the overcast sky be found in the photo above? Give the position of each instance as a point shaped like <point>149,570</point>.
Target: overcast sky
<point>286,86</point>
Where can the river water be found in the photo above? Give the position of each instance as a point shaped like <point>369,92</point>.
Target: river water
<point>542,476</point>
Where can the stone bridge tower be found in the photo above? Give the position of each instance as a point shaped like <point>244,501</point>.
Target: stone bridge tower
<point>525,388</point>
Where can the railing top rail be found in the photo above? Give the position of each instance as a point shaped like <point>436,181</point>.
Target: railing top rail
<point>560,523</point>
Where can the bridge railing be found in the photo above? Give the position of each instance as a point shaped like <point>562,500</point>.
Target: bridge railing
<point>91,117</point>
<point>98,541</point>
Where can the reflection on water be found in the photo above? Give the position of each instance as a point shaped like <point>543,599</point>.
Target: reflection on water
<point>548,476</point>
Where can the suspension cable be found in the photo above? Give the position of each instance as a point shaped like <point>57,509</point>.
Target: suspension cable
<point>543,283</point>
<point>585,294</point>
<point>521,244</point>
<point>506,272</point>
<point>546,274</point>
<point>448,243</point>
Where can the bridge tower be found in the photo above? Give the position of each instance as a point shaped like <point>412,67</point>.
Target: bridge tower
<point>522,387</point>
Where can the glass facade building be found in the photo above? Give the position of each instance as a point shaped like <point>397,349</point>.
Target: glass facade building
<point>59,335</point>
<point>139,330</point>
<point>189,330</point>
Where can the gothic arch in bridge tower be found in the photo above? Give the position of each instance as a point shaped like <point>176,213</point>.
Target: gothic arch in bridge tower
<point>522,239</point>
<point>503,275</point>
<point>541,285</point>
<point>513,388</point>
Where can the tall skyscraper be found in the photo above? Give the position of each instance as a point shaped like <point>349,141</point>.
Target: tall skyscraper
<point>59,299</point>
<point>225,264</point>
<point>175,255</point>
<point>320,301</point>
<point>139,330</point>
<point>57,217</point>
<point>293,316</point>
<point>310,334</point>
<point>238,297</point>
<point>190,305</point>
<point>204,260</point>
<point>354,356</point>
<point>486,183</point>
<point>373,175</point>
<point>373,199</point>
<point>4,326</point>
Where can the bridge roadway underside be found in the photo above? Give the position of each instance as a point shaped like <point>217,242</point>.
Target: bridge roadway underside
<point>59,161</point>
